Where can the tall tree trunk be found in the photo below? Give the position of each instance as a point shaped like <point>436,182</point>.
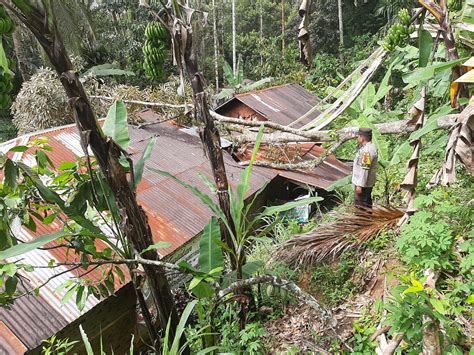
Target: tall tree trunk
<point>20,54</point>
<point>234,40</point>
<point>216,44</point>
<point>341,24</point>
<point>40,21</point>
<point>261,30</point>
<point>282,26</point>
<point>185,52</point>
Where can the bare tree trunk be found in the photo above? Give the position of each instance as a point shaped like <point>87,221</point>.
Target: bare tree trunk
<point>216,44</point>
<point>209,134</point>
<point>282,26</point>
<point>20,54</point>
<point>261,30</point>
<point>234,39</point>
<point>134,222</point>
<point>341,27</point>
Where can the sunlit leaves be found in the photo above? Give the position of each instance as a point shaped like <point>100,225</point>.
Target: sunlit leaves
<point>116,126</point>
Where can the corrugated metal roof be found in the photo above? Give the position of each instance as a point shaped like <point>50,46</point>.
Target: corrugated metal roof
<point>281,104</point>
<point>10,343</point>
<point>174,213</point>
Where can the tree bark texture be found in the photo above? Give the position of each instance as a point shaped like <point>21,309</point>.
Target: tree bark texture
<point>234,40</point>
<point>134,221</point>
<point>341,23</point>
<point>216,44</point>
<point>183,39</point>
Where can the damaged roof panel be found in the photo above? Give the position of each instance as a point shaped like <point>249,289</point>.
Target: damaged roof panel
<point>281,104</point>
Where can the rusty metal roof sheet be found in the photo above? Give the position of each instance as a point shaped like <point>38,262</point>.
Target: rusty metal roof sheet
<point>174,213</point>
<point>281,104</point>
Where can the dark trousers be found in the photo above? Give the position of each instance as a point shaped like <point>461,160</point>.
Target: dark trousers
<point>364,199</point>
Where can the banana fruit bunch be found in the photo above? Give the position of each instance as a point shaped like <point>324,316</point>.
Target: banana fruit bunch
<point>155,50</point>
<point>7,26</point>
<point>399,33</point>
<point>6,87</point>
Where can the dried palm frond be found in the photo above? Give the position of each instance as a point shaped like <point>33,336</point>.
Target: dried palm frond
<point>351,229</point>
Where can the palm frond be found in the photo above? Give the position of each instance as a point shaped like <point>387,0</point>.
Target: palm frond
<point>350,230</point>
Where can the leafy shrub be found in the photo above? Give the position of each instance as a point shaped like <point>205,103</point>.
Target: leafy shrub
<point>251,338</point>
<point>410,302</point>
<point>426,242</point>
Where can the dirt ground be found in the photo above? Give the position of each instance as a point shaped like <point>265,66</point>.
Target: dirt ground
<point>299,328</point>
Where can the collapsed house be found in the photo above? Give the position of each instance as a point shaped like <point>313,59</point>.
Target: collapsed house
<point>175,215</point>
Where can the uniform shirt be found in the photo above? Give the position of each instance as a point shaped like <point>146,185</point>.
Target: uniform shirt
<point>365,165</point>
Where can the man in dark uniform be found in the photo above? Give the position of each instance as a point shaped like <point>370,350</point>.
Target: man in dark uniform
<point>364,169</point>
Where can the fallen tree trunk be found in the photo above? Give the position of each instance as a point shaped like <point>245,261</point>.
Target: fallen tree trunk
<point>343,134</point>
<point>286,134</point>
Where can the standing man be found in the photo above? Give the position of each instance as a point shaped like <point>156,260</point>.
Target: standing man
<point>365,168</point>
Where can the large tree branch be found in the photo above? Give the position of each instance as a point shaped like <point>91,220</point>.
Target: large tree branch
<point>285,134</point>
<point>343,134</point>
<point>307,164</point>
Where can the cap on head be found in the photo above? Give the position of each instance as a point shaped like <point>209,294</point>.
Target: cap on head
<point>365,132</point>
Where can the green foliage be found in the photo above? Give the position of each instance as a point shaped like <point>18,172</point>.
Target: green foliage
<point>175,348</point>
<point>426,242</point>
<point>420,75</point>
<point>411,301</point>
<point>325,72</point>
<point>251,338</point>
<point>55,346</point>
<point>7,129</point>
<point>116,126</point>
<point>236,81</point>
<point>364,327</point>
<point>23,248</point>
<point>428,239</point>
<point>140,165</point>
<point>425,44</point>
<point>86,342</point>
<point>210,255</point>
<point>245,221</point>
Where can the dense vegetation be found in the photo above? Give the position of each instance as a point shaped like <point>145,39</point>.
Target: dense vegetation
<point>411,285</point>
